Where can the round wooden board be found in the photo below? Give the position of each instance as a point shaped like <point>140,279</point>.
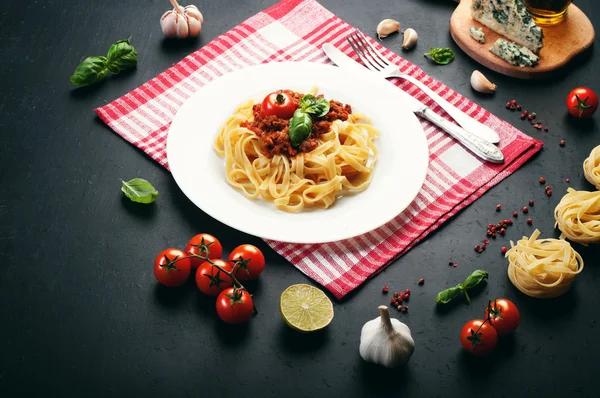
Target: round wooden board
<point>562,42</point>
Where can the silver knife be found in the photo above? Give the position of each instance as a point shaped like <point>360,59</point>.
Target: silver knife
<point>480,147</point>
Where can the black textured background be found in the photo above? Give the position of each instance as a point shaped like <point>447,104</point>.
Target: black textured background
<point>82,316</point>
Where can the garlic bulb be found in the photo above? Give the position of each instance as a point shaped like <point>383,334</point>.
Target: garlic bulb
<point>480,83</point>
<point>387,27</point>
<point>386,341</point>
<point>410,39</point>
<point>181,22</point>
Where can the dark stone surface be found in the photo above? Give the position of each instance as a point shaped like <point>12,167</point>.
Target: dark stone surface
<point>81,313</point>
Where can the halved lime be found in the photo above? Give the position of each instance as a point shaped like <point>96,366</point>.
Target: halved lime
<point>305,308</point>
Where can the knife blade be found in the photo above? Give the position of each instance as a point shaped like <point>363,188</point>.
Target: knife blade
<point>479,146</point>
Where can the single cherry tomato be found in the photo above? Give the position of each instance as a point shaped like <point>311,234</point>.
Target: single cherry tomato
<point>504,316</point>
<point>204,245</point>
<point>169,270</point>
<point>250,260</point>
<point>211,280</point>
<point>280,104</point>
<point>234,305</point>
<point>478,338</point>
<point>582,102</point>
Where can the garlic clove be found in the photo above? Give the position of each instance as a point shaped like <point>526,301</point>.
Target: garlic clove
<point>481,83</point>
<point>410,39</point>
<point>181,26</point>
<point>194,12</point>
<point>195,26</point>
<point>387,27</point>
<point>168,24</point>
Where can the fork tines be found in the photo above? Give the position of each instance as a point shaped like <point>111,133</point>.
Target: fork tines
<point>372,58</point>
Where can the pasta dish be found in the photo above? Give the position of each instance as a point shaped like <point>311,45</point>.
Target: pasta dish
<point>297,150</point>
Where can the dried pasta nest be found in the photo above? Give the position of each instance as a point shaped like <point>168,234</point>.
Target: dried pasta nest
<point>578,216</point>
<point>543,268</point>
<point>591,167</point>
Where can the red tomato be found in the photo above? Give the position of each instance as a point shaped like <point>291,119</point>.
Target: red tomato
<point>170,272</point>
<point>234,306</point>
<point>476,340</point>
<point>279,104</point>
<point>251,262</point>
<point>582,102</point>
<point>204,245</point>
<point>211,280</point>
<point>505,316</point>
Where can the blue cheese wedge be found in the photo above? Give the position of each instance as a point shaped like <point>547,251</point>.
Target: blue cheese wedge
<point>514,54</point>
<point>477,34</point>
<point>511,19</point>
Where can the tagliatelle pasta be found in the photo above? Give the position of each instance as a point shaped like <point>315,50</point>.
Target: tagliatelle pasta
<point>341,160</point>
<point>591,167</point>
<point>543,268</point>
<point>578,216</point>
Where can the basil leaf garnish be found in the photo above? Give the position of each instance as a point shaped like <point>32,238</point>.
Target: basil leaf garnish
<point>300,127</point>
<point>121,56</point>
<point>139,190</point>
<point>90,71</point>
<point>314,106</point>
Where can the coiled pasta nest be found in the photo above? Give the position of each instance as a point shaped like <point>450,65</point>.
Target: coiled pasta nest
<point>578,216</point>
<point>543,268</point>
<point>591,167</point>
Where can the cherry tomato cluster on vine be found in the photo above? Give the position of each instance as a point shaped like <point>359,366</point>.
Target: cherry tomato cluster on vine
<point>480,336</point>
<point>213,275</point>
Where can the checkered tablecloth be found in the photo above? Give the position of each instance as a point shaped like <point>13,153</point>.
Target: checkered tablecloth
<point>295,30</point>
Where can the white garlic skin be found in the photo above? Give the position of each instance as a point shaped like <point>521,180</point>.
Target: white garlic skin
<point>387,342</point>
<point>182,22</point>
<point>410,39</point>
<point>481,83</point>
<point>387,27</point>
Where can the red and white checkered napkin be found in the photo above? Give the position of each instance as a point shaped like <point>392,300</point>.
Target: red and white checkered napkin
<point>295,30</point>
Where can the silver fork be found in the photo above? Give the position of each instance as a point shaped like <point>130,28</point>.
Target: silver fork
<point>376,62</point>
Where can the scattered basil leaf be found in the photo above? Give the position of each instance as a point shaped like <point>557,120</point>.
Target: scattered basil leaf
<point>139,190</point>
<point>445,296</point>
<point>90,71</point>
<point>314,106</point>
<point>300,127</point>
<point>475,279</point>
<point>442,56</point>
<point>121,56</point>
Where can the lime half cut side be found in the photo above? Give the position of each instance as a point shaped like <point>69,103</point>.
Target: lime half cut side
<point>305,308</point>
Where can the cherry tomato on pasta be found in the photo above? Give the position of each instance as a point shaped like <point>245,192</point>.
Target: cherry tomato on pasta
<point>278,103</point>
<point>478,338</point>
<point>582,102</point>
<point>251,262</point>
<point>211,280</point>
<point>169,270</point>
<point>504,316</point>
<point>234,305</point>
<point>204,245</point>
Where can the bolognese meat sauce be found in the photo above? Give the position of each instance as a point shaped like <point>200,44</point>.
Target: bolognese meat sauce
<point>274,131</point>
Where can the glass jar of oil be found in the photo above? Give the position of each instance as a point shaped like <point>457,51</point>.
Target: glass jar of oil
<point>548,12</point>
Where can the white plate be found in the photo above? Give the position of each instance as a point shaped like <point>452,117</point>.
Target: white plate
<point>200,173</point>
